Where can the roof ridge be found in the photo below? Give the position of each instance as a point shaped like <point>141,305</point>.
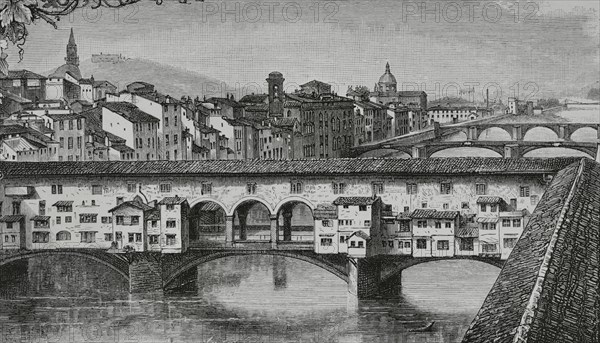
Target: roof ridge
<point>527,319</point>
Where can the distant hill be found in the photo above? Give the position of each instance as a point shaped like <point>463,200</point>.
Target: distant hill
<point>167,79</point>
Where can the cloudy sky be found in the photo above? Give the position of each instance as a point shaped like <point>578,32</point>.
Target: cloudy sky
<point>548,47</point>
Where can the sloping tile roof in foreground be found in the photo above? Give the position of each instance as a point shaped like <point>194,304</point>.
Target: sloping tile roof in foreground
<point>548,288</point>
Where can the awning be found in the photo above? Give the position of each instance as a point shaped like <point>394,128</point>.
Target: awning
<point>210,206</point>
<point>487,220</point>
<point>40,218</point>
<point>326,234</point>
<point>11,218</point>
<point>467,232</point>
<point>63,203</point>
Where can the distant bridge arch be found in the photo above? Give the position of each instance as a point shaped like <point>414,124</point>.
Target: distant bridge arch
<point>563,151</point>
<point>441,148</point>
<point>494,130</point>
<point>581,134</point>
<point>543,133</point>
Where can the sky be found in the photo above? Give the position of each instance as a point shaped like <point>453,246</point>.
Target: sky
<point>524,49</point>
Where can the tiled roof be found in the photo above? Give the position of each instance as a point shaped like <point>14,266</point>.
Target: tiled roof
<point>547,290</point>
<point>40,218</point>
<point>121,148</point>
<point>325,211</point>
<point>63,203</point>
<point>130,112</point>
<point>366,166</point>
<point>153,214</point>
<point>355,201</point>
<point>321,98</point>
<point>489,200</point>
<point>172,201</point>
<point>361,234</point>
<point>137,204</point>
<point>254,98</point>
<point>467,232</point>
<point>434,214</point>
<point>64,116</point>
<point>21,74</point>
<point>11,218</point>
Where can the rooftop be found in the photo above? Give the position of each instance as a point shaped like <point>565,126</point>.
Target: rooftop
<point>136,204</point>
<point>548,288</point>
<point>355,201</point>
<point>433,214</point>
<point>21,74</point>
<point>347,166</point>
<point>130,112</point>
<point>489,200</point>
<point>11,218</point>
<point>172,201</point>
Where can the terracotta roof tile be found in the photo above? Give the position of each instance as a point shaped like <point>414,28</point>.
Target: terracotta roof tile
<point>348,166</point>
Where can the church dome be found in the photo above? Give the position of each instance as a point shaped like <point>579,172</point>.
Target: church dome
<point>387,78</point>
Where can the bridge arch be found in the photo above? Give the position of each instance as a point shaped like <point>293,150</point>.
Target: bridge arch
<point>249,199</point>
<point>112,261</point>
<point>207,221</point>
<point>542,133</point>
<point>584,134</point>
<point>495,131</point>
<point>411,262</point>
<point>252,219</point>
<point>465,151</point>
<point>388,153</point>
<point>295,220</point>
<point>558,151</point>
<point>294,199</point>
<point>337,270</point>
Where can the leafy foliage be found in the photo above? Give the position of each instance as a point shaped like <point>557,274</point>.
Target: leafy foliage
<point>15,15</point>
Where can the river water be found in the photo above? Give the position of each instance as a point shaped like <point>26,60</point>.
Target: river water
<point>238,299</point>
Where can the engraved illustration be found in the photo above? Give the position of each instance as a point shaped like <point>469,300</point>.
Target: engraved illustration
<point>299,171</point>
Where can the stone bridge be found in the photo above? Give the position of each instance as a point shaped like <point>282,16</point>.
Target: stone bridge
<point>149,272</point>
<point>518,131</point>
<point>428,143</point>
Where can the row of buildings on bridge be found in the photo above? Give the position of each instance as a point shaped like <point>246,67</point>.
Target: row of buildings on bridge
<point>66,117</point>
<point>434,208</point>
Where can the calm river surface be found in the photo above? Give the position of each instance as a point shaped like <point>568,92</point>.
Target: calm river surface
<point>238,299</point>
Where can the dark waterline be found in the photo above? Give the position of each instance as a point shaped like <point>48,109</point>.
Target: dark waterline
<point>238,299</point>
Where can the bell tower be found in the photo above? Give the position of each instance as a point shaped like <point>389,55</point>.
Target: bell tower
<point>72,57</point>
<point>276,95</point>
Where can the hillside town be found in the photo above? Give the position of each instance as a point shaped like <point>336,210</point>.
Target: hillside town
<point>66,117</point>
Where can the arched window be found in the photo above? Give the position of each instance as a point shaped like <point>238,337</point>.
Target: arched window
<point>63,236</point>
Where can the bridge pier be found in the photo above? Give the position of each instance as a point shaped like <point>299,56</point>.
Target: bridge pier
<point>145,272</point>
<point>511,151</point>
<point>564,133</point>
<point>419,151</point>
<point>364,277</point>
<point>517,133</point>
